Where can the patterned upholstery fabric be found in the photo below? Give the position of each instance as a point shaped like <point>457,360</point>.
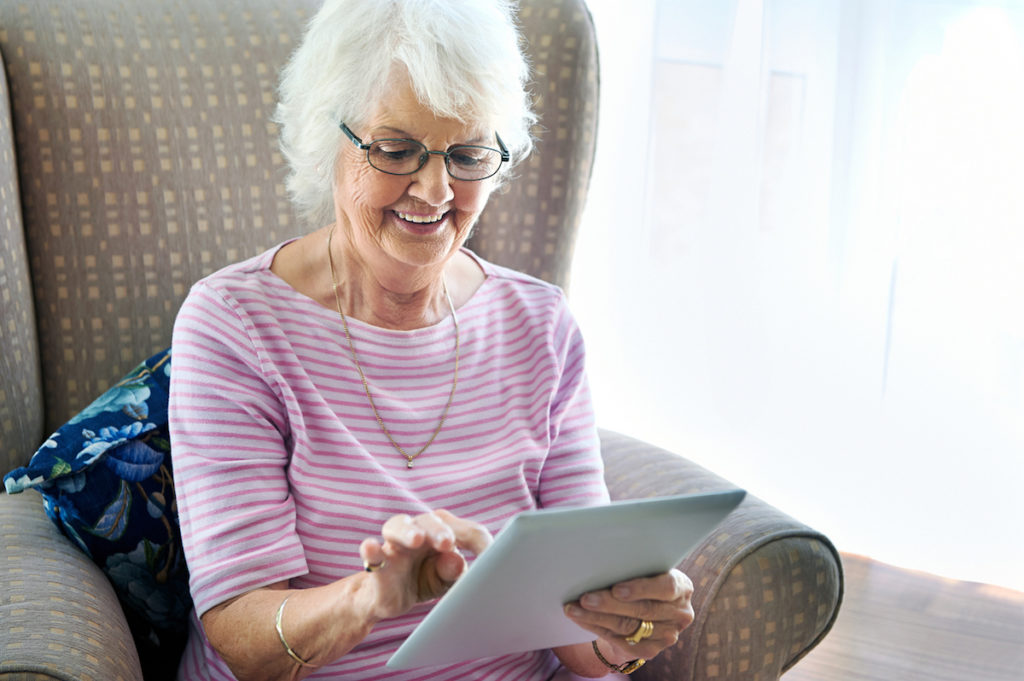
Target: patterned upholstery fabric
<point>532,226</point>
<point>56,608</point>
<point>21,398</point>
<point>764,584</point>
<point>107,483</point>
<point>146,161</point>
<point>137,157</point>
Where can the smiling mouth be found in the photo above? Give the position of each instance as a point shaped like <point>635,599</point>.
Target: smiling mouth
<point>420,219</point>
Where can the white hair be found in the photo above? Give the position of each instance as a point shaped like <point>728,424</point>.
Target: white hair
<point>463,58</point>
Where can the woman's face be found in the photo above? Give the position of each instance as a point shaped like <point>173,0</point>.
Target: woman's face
<point>405,226</point>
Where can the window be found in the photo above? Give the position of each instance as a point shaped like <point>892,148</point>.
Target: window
<point>812,280</point>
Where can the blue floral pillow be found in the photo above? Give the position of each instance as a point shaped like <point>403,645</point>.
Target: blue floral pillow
<point>105,477</point>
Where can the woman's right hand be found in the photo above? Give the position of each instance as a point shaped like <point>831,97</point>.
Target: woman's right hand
<point>420,558</point>
<point>423,558</point>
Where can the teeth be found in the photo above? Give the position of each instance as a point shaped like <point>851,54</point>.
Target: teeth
<point>420,219</point>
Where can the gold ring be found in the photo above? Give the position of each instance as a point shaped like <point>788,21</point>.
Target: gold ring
<point>373,567</point>
<point>643,630</point>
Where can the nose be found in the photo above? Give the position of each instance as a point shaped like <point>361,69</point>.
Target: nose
<point>432,183</point>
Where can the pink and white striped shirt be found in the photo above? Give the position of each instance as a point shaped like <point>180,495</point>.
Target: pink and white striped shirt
<point>281,469</point>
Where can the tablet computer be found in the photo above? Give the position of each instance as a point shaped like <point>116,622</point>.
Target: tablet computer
<point>511,598</point>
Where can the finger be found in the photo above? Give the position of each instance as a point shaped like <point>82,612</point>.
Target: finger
<point>439,535</point>
<point>439,572</point>
<point>615,630</point>
<point>603,623</point>
<point>402,531</point>
<point>468,534</point>
<point>605,602</point>
<point>450,566</point>
<point>372,552</point>
<point>670,586</point>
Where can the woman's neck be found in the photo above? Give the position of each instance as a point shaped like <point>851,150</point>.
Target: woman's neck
<point>403,298</point>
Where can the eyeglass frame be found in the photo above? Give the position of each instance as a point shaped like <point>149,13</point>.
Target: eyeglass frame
<point>502,149</point>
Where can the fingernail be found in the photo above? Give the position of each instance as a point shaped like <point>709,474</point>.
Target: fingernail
<point>621,591</point>
<point>572,610</point>
<point>591,599</point>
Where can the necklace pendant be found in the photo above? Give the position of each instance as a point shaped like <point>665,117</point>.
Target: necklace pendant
<point>408,464</point>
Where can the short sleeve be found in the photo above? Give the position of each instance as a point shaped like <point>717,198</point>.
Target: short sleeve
<point>573,473</point>
<point>229,441</point>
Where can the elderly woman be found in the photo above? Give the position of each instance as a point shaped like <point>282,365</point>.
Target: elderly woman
<point>356,411</point>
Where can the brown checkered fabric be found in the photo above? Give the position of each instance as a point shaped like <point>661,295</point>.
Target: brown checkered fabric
<point>53,628</point>
<point>21,398</point>
<point>532,226</point>
<point>146,161</point>
<point>766,588</point>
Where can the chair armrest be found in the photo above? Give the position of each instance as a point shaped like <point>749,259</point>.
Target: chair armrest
<point>767,588</point>
<point>61,619</point>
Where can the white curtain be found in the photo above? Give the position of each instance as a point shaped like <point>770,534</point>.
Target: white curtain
<point>802,263</point>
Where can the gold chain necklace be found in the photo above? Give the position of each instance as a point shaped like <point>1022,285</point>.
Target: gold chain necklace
<point>366,386</point>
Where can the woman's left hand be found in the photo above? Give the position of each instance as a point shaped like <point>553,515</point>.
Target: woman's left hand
<point>615,613</point>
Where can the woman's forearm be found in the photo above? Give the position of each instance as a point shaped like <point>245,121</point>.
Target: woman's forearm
<point>320,625</point>
<point>423,558</point>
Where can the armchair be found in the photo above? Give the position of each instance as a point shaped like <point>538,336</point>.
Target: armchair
<point>136,157</point>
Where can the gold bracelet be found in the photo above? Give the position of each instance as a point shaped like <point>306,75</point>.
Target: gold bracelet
<point>625,667</point>
<point>280,635</point>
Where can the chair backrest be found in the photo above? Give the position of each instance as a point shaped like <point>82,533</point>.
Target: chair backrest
<point>532,227</point>
<point>144,160</point>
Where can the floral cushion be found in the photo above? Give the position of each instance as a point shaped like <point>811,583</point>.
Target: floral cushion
<point>105,477</point>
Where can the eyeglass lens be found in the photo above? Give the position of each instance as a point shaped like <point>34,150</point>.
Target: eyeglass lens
<point>404,157</point>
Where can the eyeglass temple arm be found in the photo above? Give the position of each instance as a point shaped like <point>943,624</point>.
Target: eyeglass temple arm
<point>504,150</point>
<point>352,136</point>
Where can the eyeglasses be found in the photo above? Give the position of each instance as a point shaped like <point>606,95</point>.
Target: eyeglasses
<point>469,162</point>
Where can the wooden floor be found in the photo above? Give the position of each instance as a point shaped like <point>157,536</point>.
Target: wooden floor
<point>900,625</point>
